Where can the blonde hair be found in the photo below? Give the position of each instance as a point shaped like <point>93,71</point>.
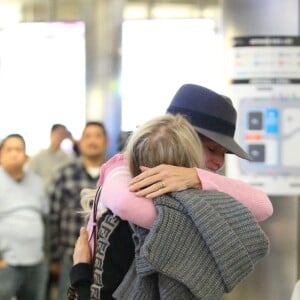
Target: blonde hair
<point>167,139</point>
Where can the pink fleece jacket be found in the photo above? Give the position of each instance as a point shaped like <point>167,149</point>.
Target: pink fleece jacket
<point>115,178</point>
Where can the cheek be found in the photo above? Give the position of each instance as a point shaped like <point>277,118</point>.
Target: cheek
<point>208,157</point>
<point>218,158</point>
<point>221,159</point>
<point>102,144</point>
<point>213,158</point>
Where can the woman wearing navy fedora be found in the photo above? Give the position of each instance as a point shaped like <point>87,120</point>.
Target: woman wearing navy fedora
<point>214,119</point>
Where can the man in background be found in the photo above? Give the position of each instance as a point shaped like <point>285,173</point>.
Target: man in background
<point>47,161</point>
<point>64,193</point>
<point>23,271</point>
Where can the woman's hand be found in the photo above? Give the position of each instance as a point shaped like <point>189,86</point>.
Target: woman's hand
<point>153,182</point>
<point>82,252</point>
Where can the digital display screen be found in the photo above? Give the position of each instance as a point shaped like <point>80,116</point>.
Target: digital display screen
<point>42,80</point>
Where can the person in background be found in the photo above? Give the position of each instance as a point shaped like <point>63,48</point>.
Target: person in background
<point>47,161</point>
<point>64,194</point>
<point>23,271</point>
<point>166,139</point>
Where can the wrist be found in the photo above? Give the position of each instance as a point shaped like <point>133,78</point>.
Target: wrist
<point>196,180</point>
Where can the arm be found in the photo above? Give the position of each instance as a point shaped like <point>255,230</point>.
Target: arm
<point>81,280</point>
<point>254,199</point>
<point>140,211</point>
<point>116,196</point>
<point>179,178</point>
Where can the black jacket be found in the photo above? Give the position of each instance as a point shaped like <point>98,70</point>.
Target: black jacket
<point>115,244</point>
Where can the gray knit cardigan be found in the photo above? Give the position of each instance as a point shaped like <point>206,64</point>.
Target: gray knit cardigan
<point>201,245</point>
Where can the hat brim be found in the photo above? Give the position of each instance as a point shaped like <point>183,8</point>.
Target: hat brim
<point>226,141</point>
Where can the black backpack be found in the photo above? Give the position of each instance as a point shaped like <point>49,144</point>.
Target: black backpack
<point>114,253</point>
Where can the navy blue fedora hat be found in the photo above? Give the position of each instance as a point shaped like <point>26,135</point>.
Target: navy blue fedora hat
<point>210,113</point>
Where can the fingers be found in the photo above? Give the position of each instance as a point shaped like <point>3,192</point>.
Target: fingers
<point>143,169</point>
<point>146,172</point>
<point>151,193</point>
<point>147,178</point>
<point>82,239</point>
<point>154,182</point>
<point>157,189</point>
<point>82,251</point>
<point>148,184</point>
<point>83,232</point>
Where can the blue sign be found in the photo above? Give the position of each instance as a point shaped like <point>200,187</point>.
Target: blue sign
<point>272,120</point>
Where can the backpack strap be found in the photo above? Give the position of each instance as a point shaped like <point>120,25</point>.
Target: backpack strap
<point>94,226</point>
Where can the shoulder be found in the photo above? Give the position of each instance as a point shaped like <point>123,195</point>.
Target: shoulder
<point>195,197</point>
<point>114,162</point>
<point>71,166</point>
<point>3,175</point>
<point>194,202</point>
<point>65,172</point>
<point>34,180</point>
<point>72,171</point>
<point>40,154</point>
<point>65,156</point>
<point>30,175</point>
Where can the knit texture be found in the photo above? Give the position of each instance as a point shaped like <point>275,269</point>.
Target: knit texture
<point>201,245</point>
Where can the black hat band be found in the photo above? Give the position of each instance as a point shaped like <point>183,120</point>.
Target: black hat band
<point>205,121</point>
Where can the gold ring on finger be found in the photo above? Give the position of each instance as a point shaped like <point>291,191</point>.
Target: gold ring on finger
<point>161,185</point>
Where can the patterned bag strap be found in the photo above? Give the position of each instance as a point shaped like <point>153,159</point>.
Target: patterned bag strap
<point>107,226</point>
